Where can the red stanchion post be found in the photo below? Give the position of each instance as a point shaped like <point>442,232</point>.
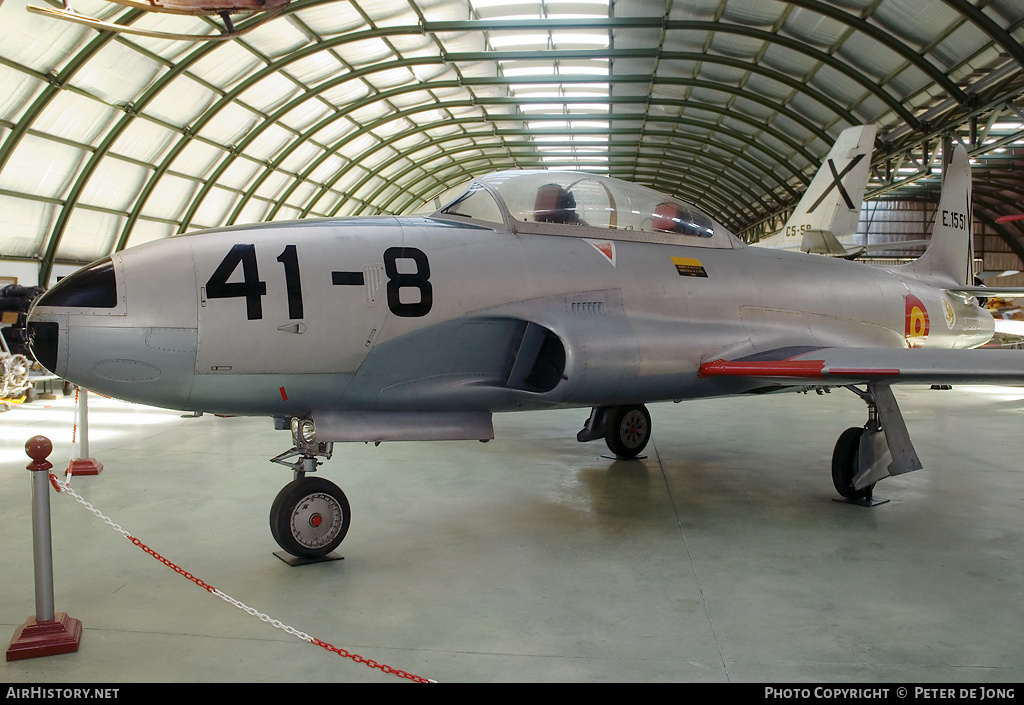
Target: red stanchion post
<point>48,633</point>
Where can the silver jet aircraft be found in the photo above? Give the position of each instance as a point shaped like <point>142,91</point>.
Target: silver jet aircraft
<point>516,291</point>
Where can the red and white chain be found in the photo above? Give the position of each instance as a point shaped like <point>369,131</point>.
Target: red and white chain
<point>65,487</point>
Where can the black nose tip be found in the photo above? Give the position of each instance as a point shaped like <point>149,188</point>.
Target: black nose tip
<point>43,338</point>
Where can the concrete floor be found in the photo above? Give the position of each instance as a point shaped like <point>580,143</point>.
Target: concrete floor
<point>720,557</point>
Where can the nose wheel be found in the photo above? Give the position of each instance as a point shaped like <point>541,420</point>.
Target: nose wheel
<point>627,430</point>
<point>310,517</point>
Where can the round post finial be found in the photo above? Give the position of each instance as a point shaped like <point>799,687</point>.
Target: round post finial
<point>38,448</point>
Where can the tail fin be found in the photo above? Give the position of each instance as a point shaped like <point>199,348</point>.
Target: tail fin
<point>830,208</point>
<point>949,260</point>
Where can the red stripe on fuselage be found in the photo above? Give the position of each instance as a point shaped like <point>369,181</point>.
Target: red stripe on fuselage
<point>779,368</point>
<point>787,368</point>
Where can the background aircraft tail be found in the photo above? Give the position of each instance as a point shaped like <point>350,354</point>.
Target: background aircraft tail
<point>830,207</point>
<point>949,260</point>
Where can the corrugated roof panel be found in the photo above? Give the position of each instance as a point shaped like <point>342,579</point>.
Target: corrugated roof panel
<point>39,43</point>
<point>117,73</point>
<point>197,159</point>
<point>327,169</point>
<point>72,116</point>
<point>869,56</point>
<point>145,141</point>
<point>277,38</point>
<point>272,186</point>
<point>333,131</point>
<point>330,19</point>
<point>317,67</point>
<point>17,92</point>
<point>181,102</point>
<point>364,52</point>
<point>286,213</point>
<point>225,64</point>
<point>306,114</point>
<point>115,184</point>
<point>916,22</point>
<point>816,29</point>
<point>25,225</point>
<point>254,211</point>
<point>87,233</point>
<point>270,92</point>
<point>752,12</point>
<point>41,167</point>
<point>959,46</point>
<point>302,155</point>
<point>215,208</point>
<point>232,123</point>
<point>240,173</point>
<point>173,195</point>
<point>148,230</point>
<point>299,197</point>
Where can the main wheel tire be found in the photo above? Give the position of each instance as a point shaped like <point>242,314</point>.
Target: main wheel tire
<point>627,430</point>
<point>310,517</point>
<point>845,459</point>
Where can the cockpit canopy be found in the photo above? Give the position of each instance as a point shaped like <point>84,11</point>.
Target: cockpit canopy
<point>574,203</point>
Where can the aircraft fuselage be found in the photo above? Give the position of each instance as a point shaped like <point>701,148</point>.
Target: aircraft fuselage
<point>430,314</point>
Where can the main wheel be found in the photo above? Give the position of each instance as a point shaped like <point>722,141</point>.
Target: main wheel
<point>627,430</point>
<point>310,517</point>
<point>845,459</point>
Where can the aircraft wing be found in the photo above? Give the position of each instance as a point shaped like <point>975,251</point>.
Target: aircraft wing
<point>1005,292</point>
<point>836,366</point>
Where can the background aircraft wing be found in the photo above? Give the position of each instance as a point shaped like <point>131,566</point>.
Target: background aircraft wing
<point>827,366</point>
<point>1004,292</point>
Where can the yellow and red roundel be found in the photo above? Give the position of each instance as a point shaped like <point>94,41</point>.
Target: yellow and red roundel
<point>917,322</point>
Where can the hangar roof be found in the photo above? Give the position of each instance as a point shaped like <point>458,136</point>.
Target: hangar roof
<point>343,107</point>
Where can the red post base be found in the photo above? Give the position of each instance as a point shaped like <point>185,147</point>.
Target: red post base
<point>86,466</point>
<point>33,639</point>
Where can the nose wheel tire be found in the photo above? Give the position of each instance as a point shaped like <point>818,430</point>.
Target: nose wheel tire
<point>310,517</point>
<point>845,459</point>
<point>627,430</point>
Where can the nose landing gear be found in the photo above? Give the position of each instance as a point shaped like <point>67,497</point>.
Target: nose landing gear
<point>625,429</point>
<point>310,515</point>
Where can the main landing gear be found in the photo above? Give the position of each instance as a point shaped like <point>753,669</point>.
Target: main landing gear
<point>311,515</point>
<point>845,462</point>
<point>625,429</point>
<point>882,447</point>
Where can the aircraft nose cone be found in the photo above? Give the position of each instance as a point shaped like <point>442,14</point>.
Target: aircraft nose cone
<point>90,291</point>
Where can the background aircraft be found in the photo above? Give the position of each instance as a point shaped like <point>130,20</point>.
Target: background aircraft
<point>517,291</point>
<point>262,11</point>
<point>826,218</point>
<point>830,207</point>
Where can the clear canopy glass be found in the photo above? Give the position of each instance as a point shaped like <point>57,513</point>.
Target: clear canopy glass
<point>538,200</point>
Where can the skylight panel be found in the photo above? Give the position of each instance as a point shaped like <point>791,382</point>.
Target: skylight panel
<point>519,40</point>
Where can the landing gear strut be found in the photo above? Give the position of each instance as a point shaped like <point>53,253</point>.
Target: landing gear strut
<point>310,515</point>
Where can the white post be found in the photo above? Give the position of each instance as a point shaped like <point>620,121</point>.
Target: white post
<point>83,464</point>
